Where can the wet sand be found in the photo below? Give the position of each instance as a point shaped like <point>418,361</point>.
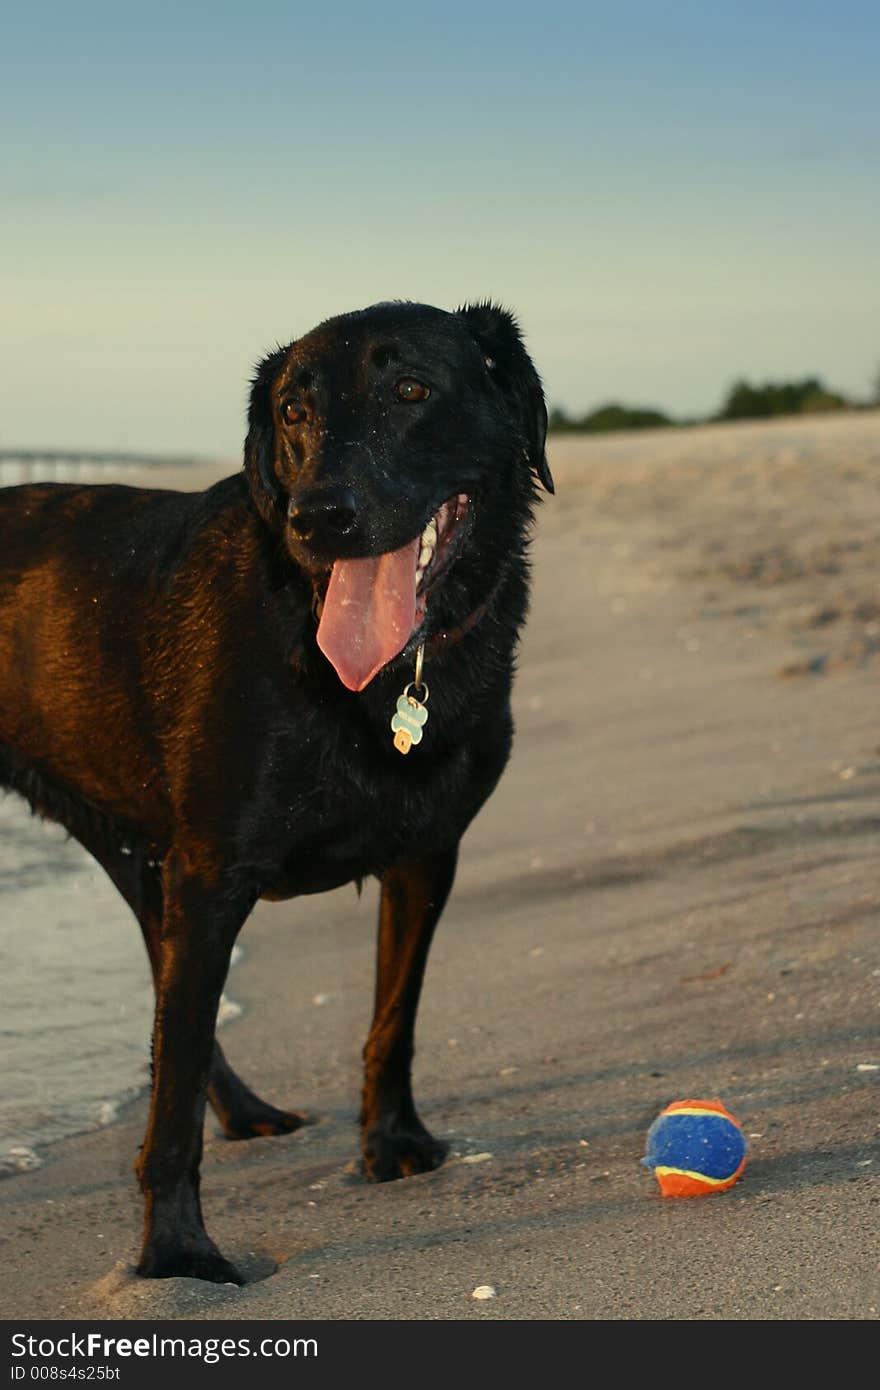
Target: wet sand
<point>674,892</point>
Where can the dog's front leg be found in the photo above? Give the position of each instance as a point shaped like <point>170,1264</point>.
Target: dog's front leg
<point>200,921</point>
<point>395,1142</point>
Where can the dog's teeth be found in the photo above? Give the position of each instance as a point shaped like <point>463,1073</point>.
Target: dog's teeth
<point>429,535</point>
<point>425,555</point>
<point>420,574</point>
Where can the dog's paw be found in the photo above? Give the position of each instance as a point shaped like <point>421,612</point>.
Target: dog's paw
<point>187,1260</point>
<point>399,1155</point>
<point>261,1121</point>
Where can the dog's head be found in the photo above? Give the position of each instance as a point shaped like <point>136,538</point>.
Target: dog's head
<point>395,452</point>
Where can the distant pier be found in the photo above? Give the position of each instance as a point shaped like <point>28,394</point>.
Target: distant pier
<point>64,465</point>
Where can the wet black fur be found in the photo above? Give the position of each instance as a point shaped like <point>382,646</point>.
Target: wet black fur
<point>163,697</point>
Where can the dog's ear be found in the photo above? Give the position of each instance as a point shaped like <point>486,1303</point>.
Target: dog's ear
<point>498,335</point>
<point>259,446</point>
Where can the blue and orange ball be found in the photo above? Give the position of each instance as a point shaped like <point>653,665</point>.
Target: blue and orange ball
<point>695,1147</point>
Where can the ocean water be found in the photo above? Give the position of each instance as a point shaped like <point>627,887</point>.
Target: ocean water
<point>76,999</point>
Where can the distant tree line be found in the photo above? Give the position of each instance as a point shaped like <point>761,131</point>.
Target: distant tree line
<point>744,401</point>
<point>747,402</point>
<point>609,417</point>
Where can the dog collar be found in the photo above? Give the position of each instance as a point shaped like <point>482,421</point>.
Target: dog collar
<point>450,637</point>
<point>410,716</point>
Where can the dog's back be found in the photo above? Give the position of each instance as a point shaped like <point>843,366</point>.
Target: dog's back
<point>103,605</point>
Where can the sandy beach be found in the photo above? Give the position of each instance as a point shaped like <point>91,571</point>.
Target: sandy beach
<point>674,892</point>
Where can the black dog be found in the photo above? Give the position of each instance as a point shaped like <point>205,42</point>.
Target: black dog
<point>201,687</point>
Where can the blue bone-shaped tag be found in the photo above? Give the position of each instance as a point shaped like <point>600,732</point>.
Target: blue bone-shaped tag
<point>407,722</point>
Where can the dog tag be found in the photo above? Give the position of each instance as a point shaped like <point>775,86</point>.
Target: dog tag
<point>408,720</point>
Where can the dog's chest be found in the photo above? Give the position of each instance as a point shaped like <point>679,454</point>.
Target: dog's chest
<point>354,824</point>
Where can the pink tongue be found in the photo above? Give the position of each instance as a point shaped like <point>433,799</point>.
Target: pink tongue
<point>369,613</point>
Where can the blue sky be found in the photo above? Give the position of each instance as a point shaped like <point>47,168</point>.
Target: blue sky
<point>669,195</point>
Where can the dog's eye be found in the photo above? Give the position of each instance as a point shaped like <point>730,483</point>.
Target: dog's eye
<point>408,389</point>
<point>293,413</point>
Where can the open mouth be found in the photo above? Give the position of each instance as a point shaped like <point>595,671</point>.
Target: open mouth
<point>373,606</point>
<point>438,546</point>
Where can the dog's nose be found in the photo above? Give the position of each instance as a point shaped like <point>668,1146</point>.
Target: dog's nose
<point>323,515</point>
